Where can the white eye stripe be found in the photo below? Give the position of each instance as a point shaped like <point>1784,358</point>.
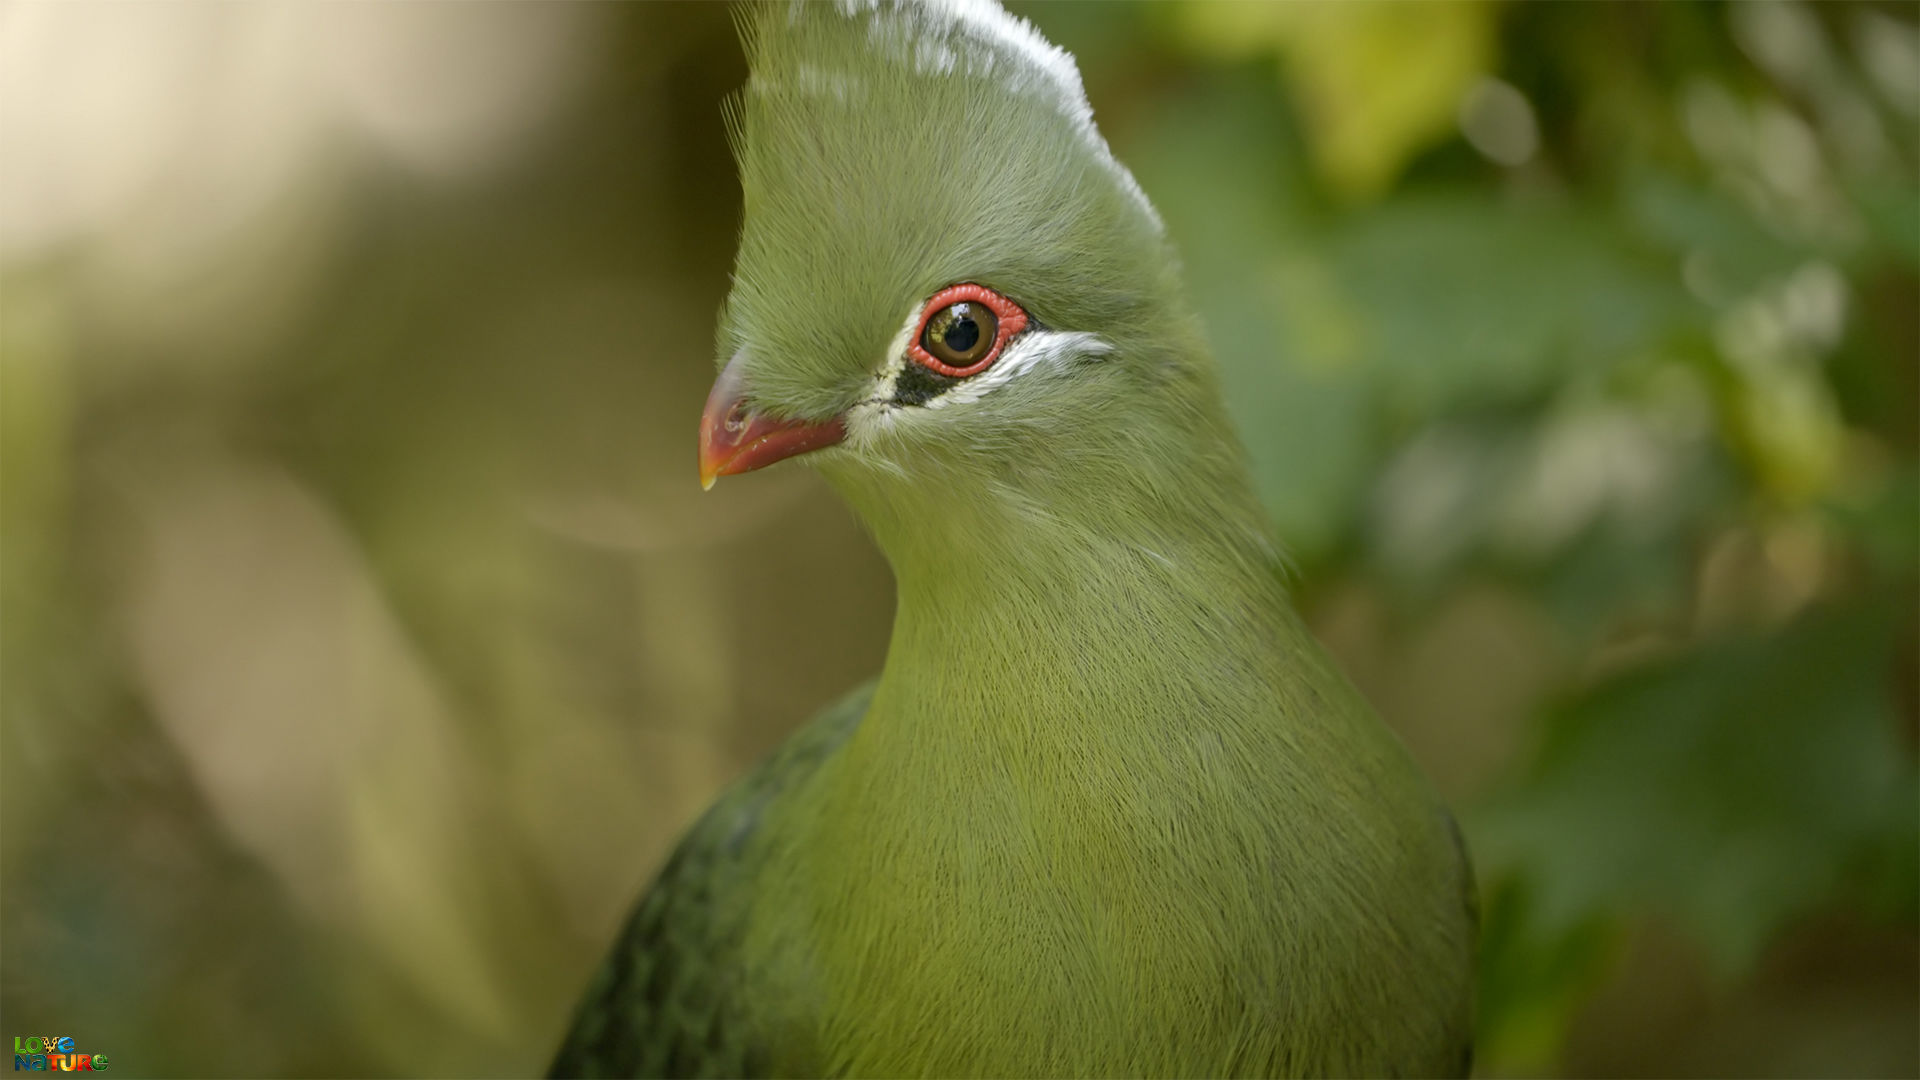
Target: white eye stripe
<point>1029,350</point>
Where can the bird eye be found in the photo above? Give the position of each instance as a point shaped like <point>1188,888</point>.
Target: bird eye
<point>960,334</point>
<point>962,329</point>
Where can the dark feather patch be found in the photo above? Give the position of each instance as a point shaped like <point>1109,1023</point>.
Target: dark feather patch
<point>667,1000</point>
<point>917,385</point>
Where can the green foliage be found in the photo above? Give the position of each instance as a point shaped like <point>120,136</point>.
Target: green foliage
<point>1728,792</point>
<point>1362,128</point>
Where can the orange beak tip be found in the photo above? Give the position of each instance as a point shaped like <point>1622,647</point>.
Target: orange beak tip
<point>733,439</point>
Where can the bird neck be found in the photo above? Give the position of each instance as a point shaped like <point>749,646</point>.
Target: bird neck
<point>1078,598</point>
<point>1097,708</point>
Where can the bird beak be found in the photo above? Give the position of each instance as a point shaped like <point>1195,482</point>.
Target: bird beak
<point>733,439</point>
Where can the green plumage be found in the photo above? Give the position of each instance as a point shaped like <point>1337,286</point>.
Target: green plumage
<point>1109,809</point>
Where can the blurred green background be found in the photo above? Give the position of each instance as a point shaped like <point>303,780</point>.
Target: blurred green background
<point>367,638</point>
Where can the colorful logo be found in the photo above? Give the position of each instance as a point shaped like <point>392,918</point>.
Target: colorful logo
<point>53,1053</point>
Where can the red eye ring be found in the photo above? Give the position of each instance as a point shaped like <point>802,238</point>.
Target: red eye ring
<point>1009,316</point>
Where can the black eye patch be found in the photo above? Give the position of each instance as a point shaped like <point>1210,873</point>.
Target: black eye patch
<point>918,385</point>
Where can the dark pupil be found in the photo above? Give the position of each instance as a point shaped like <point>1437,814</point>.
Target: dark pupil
<point>962,332</point>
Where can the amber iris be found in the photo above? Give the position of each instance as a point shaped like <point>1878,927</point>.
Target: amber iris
<point>960,334</point>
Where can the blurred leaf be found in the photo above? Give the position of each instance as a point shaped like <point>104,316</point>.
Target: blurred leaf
<point>1469,298</point>
<point>1700,788</point>
<point>1732,253</point>
<point>1892,212</point>
<point>1530,985</point>
<point>1378,82</point>
<point>1886,523</point>
<point>1593,506</point>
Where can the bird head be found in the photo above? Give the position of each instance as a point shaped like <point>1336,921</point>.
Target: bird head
<point>944,277</point>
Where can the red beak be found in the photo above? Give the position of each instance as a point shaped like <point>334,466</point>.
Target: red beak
<point>736,440</point>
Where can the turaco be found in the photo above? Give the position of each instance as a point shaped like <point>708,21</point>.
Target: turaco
<point>1108,809</point>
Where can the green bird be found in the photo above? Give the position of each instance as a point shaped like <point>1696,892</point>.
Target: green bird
<point>1108,810</point>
